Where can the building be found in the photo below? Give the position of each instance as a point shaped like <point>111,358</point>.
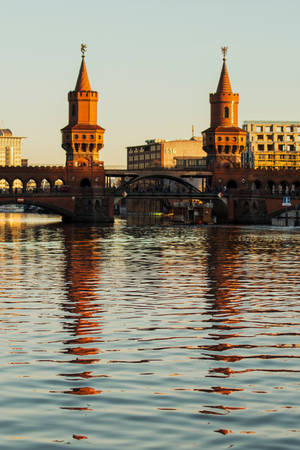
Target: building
<point>224,141</point>
<point>160,153</point>
<point>10,148</point>
<point>272,144</point>
<point>82,138</point>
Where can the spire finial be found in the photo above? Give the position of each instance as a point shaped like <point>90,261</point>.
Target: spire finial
<point>193,131</point>
<point>83,49</point>
<point>224,51</point>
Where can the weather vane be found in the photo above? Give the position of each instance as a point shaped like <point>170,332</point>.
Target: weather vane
<point>83,49</point>
<point>224,51</point>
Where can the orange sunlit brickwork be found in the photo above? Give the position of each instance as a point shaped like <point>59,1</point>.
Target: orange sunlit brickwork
<point>224,141</point>
<point>82,138</point>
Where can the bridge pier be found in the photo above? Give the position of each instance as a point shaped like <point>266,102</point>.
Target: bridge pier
<point>93,208</point>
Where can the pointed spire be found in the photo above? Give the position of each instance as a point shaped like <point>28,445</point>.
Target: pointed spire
<point>83,83</point>
<point>224,86</point>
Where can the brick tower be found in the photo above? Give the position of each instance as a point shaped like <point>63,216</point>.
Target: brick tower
<point>82,138</point>
<point>224,141</point>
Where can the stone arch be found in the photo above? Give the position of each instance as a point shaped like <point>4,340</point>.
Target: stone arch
<point>297,185</point>
<point>58,183</point>
<point>231,184</point>
<point>271,185</point>
<point>4,186</point>
<point>284,187</point>
<point>17,185</point>
<point>31,185</point>
<point>257,184</point>
<point>85,183</point>
<point>45,185</point>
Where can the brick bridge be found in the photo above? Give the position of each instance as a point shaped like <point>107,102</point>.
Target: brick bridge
<point>78,193</point>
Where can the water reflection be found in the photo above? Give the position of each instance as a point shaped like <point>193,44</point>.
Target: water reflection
<point>83,318</point>
<point>149,337</point>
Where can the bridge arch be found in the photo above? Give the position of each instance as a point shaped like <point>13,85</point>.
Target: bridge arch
<point>44,204</point>
<point>31,185</point>
<point>17,185</point>
<point>45,185</point>
<point>154,182</point>
<point>286,216</point>
<point>4,185</point>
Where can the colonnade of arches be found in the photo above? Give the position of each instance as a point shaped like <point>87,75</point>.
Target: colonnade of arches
<point>19,186</point>
<point>275,187</point>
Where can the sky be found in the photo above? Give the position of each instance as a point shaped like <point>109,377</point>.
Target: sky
<point>153,63</point>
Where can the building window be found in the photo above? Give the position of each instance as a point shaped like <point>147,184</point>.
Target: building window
<point>226,112</point>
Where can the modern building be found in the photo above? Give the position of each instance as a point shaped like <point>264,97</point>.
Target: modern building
<point>10,148</point>
<point>158,153</point>
<point>272,144</point>
<point>224,141</point>
<point>82,138</point>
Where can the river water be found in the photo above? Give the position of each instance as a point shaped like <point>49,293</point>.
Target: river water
<point>148,337</point>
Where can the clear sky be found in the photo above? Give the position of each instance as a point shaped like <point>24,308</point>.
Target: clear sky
<point>153,63</point>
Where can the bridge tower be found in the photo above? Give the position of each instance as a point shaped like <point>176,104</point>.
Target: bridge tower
<point>82,138</point>
<point>224,141</point>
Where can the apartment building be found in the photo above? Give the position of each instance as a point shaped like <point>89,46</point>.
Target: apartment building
<point>10,148</point>
<point>157,153</point>
<point>272,144</point>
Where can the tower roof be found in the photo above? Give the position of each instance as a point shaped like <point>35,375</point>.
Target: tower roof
<point>83,83</point>
<point>224,86</point>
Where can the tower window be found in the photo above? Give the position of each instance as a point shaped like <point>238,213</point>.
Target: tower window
<point>83,136</point>
<point>83,147</point>
<point>226,112</point>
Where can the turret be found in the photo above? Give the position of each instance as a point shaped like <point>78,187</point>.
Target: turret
<point>224,141</point>
<point>82,138</point>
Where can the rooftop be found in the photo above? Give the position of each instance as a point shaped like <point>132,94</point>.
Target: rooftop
<point>283,122</point>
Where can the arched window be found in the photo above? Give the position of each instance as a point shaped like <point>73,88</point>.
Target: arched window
<point>226,112</point>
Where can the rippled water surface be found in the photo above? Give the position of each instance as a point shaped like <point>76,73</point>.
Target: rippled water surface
<point>149,337</point>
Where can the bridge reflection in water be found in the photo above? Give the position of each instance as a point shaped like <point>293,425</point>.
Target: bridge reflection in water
<point>111,330</point>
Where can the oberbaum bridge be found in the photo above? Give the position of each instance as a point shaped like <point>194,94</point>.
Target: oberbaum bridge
<point>80,191</point>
